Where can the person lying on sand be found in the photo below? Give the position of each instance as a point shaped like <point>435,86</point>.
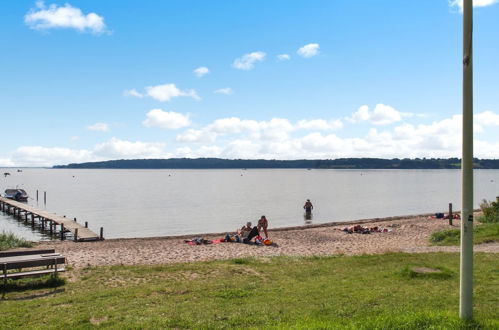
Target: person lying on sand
<point>364,230</point>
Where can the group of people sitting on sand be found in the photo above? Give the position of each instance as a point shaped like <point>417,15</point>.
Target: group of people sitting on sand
<point>247,232</point>
<point>364,230</point>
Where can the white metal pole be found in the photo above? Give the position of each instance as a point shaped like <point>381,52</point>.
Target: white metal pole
<point>466,279</point>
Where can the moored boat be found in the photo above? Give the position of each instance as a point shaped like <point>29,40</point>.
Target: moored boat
<point>19,195</point>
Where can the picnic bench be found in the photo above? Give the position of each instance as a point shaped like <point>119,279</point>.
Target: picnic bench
<point>25,263</point>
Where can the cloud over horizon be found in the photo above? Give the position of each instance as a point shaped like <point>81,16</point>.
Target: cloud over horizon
<point>278,138</point>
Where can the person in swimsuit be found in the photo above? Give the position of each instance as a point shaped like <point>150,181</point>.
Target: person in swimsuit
<point>308,207</point>
<point>263,224</point>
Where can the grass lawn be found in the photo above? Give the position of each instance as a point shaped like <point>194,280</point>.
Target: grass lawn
<point>482,233</point>
<point>362,292</point>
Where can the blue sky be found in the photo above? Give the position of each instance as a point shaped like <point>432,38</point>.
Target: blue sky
<point>97,80</point>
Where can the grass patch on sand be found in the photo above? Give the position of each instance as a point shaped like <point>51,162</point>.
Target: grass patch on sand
<point>10,241</point>
<point>483,233</point>
<point>338,292</point>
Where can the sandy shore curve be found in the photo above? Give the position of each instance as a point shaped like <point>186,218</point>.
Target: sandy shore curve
<point>407,234</point>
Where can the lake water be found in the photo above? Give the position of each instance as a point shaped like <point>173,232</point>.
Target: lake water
<point>145,203</point>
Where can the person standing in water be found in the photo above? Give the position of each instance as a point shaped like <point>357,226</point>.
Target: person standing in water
<point>308,207</point>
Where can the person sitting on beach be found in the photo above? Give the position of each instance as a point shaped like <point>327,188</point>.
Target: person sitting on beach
<point>308,207</point>
<point>245,230</point>
<point>263,224</point>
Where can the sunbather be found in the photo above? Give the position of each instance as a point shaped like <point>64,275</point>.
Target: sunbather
<point>245,230</point>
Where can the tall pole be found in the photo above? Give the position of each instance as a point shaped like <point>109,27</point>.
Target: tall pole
<point>466,279</point>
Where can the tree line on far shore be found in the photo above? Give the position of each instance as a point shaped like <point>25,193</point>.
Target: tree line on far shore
<point>340,163</point>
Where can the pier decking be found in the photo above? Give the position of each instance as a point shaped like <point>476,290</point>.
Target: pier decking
<point>48,222</point>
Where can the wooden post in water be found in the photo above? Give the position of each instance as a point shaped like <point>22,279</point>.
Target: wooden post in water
<point>86,224</point>
<point>37,195</point>
<point>62,232</point>
<point>101,233</point>
<point>44,197</point>
<point>451,216</point>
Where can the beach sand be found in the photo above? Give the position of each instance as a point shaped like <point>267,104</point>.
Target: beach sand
<point>407,234</point>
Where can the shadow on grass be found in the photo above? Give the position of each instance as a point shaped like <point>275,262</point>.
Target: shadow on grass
<point>27,284</point>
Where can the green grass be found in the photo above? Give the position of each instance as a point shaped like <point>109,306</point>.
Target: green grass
<point>341,292</point>
<point>483,233</point>
<point>10,241</point>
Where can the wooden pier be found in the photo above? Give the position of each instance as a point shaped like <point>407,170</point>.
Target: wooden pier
<point>53,224</point>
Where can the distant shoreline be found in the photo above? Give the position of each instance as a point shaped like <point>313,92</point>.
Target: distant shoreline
<point>340,163</point>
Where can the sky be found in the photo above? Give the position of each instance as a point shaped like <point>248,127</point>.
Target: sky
<point>97,80</point>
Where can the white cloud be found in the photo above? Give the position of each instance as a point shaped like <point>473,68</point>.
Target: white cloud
<point>201,71</point>
<point>101,127</point>
<point>196,136</point>
<point>476,3</point>
<point>319,124</point>
<point>486,118</point>
<point>166,120</point>
<point>279,138</point>
<point>283,57</point>
<point>119,149</point>
<point>381,115</point>
<point>133,92</point>
<point>43,156</point>
<point>225,91</point>
<point>308,50</point>
<point>247,61</point>
<point>167,92</point>
<point>112,149</point>
<point>53,16</point>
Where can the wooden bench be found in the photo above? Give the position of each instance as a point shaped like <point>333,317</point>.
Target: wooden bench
<point>12,263</point>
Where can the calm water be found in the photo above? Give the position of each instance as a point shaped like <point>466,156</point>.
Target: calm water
<point>144,203</point>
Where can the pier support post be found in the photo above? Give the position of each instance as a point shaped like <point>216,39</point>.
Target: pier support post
<point>62,232</point>
<point>44,197</point>
<point>37,195</point>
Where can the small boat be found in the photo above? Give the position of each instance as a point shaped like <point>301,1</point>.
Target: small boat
<point>16,194</point>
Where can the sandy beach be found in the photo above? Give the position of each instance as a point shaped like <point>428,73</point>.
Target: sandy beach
<point>406,234</point>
